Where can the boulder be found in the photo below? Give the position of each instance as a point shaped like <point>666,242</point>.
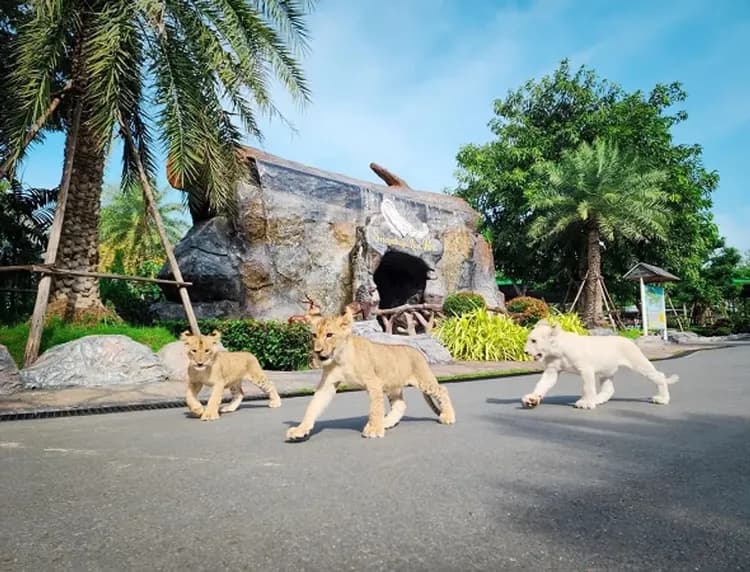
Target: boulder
<point>175,360</point>
<point>299,231</point>
<point>430,347</point>
<point>95,361</point>
<point>10,381</point>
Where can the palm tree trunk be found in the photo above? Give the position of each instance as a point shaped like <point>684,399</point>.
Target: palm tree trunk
<point>592,308</point>
<point>76,297</point>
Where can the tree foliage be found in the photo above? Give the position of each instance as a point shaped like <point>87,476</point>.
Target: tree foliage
<point>203,70</point>
<point>126,227</point>
<point>544,119</point>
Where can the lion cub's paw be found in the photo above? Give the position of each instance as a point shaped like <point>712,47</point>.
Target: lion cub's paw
<point>585,403</point>
<point>447,418</point>
<point>660,400</point>
<point>370,433</point>
<point>197,412</point>
<point>297,434</point>
<point>531,400</point>
<point>209,415</point>
<point>273,403</point>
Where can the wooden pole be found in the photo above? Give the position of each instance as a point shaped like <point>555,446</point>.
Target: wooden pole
<point>153,208</point>
<point>644,312</point>
<point>578,294</point>
<point>38,124</point>
<point>45,282</point>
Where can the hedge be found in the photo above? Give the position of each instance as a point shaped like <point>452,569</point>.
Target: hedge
<point>277,345</point>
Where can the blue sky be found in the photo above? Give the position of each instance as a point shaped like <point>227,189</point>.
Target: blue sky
<point>406,83</point>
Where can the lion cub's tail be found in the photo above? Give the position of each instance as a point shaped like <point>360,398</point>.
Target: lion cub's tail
<point>431,402</point>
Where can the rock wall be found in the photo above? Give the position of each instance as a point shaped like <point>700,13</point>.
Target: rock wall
<point>303,232</point>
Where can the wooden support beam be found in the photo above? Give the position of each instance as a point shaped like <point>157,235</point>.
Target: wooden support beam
<point>408,307</point>
<point>50,256</point>
<point>154,210</point>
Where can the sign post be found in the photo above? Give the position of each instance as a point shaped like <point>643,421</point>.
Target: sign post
<point>644,311</point>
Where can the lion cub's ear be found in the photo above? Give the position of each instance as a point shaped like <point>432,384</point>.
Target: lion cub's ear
<point>184,336</point>
<point>216,335</point>
<point>312,318</point>
<point>347,318</point>
<point>555,329</point>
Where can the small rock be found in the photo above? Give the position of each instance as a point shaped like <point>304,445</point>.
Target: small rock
<point>433,350</point>
<point>10,381</point>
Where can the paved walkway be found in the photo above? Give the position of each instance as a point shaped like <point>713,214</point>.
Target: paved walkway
<point>287,383</point>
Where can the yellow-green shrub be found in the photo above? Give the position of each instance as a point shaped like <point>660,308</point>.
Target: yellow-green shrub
<point>483,336</point>
<point>569,322</point>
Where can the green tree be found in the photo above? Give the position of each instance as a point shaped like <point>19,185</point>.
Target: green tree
<point>714,288</point>
<point>126,227</point>
<point>544,119</point>
<point>600,194</point>
<point>197,67</point>
<point>25,218</point>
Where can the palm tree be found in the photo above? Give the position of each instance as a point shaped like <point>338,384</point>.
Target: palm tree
<point>125,226</point>
<point>198,67</point>
<point>599,193</point>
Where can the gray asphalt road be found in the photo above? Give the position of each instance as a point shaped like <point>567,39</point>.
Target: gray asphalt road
<point>629,486</point>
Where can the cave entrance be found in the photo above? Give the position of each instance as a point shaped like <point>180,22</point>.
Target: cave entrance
<point>400,279</point>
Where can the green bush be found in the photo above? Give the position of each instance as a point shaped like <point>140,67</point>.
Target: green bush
<point>483,336</point>
<point>460,303</point>
<point>277,345</point>
<point>631,333</point>
<point>569,322</point>
<point>131,300</point>
<point>527,311</point>
<point>58,332</point>
<point>741,324</point>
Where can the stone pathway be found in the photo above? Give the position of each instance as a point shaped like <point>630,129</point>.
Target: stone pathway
<point>287,383</point>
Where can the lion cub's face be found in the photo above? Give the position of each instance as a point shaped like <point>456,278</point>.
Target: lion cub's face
<point>201,350</point>
<point>328,335</point>
<point>542,340</point>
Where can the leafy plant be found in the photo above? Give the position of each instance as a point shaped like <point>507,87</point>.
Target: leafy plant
<point>131,300</point>
<point>277,345</point>
<point>483,336</point>
<point>631,333</point>
<point>460,303</point>
<point>569,322</point>
<point>528,310</point>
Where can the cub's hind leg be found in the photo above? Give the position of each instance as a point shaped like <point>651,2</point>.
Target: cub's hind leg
<point>398,407</point>
<point>237,395</point>
<point>606,391</point>
<point>436,395</point>
<point>257,376</point>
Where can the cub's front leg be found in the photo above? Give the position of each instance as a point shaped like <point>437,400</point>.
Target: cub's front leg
<point>322,398</point>
<point>545,383</point>
<point>375,423</point>
<point>588,399</point>
<point>211,413</point>
<point>194,405</point>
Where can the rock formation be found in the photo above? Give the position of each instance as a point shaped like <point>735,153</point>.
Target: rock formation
<point>300,231</point>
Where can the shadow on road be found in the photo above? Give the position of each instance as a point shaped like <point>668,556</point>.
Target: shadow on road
<point>637,487</point>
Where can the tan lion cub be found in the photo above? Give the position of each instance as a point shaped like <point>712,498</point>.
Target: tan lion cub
<point>220,370</point>
<point>379,368</point>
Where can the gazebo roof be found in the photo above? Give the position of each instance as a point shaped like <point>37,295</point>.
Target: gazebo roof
<point>649,273</point>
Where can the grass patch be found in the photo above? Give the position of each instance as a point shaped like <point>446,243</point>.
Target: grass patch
<point>57,332</point>
<point>630,333</point>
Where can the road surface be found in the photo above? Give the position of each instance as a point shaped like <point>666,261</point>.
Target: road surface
<point>628,486</point>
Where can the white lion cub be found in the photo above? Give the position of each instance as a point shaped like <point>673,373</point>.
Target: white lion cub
<point>595,358</point>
